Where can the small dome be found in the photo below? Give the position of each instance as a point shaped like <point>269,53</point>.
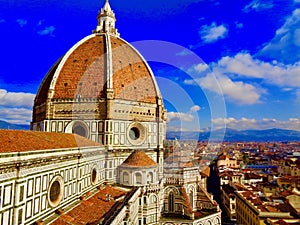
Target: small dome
<point>138,170</point>
<point>139,159</point>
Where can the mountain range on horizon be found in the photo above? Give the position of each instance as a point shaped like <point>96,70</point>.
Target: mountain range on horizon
<point>11,126</point>
<point>227,134</point>
<point>231,135</point>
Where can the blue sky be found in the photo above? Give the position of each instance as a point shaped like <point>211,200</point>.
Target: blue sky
<point>236,62</point>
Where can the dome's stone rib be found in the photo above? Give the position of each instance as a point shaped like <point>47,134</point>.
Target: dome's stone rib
<point>109,68</point>
<point>62,63</point>
<point>83,72</point>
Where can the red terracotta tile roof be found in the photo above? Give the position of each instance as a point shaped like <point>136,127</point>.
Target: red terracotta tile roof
<point>205,171</point>
<point>92,209</point>
<point>140,159</point>
<point>222,157</point>
<point>131,78</point>
<point>84,73</point>
<point>22,141</point>
<point>186,201</point>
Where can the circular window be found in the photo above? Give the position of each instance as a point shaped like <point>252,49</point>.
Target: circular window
<point>136,133</point>
<point>94,176</point>
<point>78,129</point>
<point>55,192</point>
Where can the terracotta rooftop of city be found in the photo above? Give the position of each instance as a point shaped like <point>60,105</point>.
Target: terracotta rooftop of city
<point>140,159</point>
<point>22,141</point>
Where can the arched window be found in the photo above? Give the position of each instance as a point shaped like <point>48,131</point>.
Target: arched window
<point>125,178</point>
<point>208,222</point>
<point>191,197</point>
<point>171,202</point>
<point>138,178</point>
<point>217,221</point>
<point>150,178</point>
<point>94,176</point>
<point>153,199</point>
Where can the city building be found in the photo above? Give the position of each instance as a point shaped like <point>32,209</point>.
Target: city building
<point>228,199</point>
<point>254,209</point>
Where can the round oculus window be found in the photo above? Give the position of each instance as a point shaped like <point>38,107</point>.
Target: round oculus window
<point>55,191</point>
<point>136,133</point>
<point>94,176</point>
<point>79,130</point>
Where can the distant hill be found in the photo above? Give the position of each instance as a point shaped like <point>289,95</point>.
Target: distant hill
<point>235,135</point>
<point>5,125</point>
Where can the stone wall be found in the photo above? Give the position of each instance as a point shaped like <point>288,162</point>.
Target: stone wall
<point>39,183</point>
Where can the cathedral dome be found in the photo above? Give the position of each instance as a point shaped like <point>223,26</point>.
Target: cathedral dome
<point>102,89</point>
<point>99,62</point>
<point>100,66</point>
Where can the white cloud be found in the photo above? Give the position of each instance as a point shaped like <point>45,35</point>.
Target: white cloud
<point>258,5</point>
<point>265,123</point>
<point>2,20</point>
<point>244,65</point>
<point>16,115</point>
<point>235,91</point>
<point>195,108</point>
<point>285,46</point>
<point>47,31</point>
<point>21,22</point>
<point>179,116</point>
<point>16,99</point>
<point>177,129</point>
<point>201,67</point>
<point>228,69</point>
<point>212,33</point>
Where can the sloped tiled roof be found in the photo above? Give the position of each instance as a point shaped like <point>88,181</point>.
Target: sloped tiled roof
<point>205,171</point>
<point>186,200</point>
<point>22,141</point>
<point>140,159</point>
<point>91,210</point>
